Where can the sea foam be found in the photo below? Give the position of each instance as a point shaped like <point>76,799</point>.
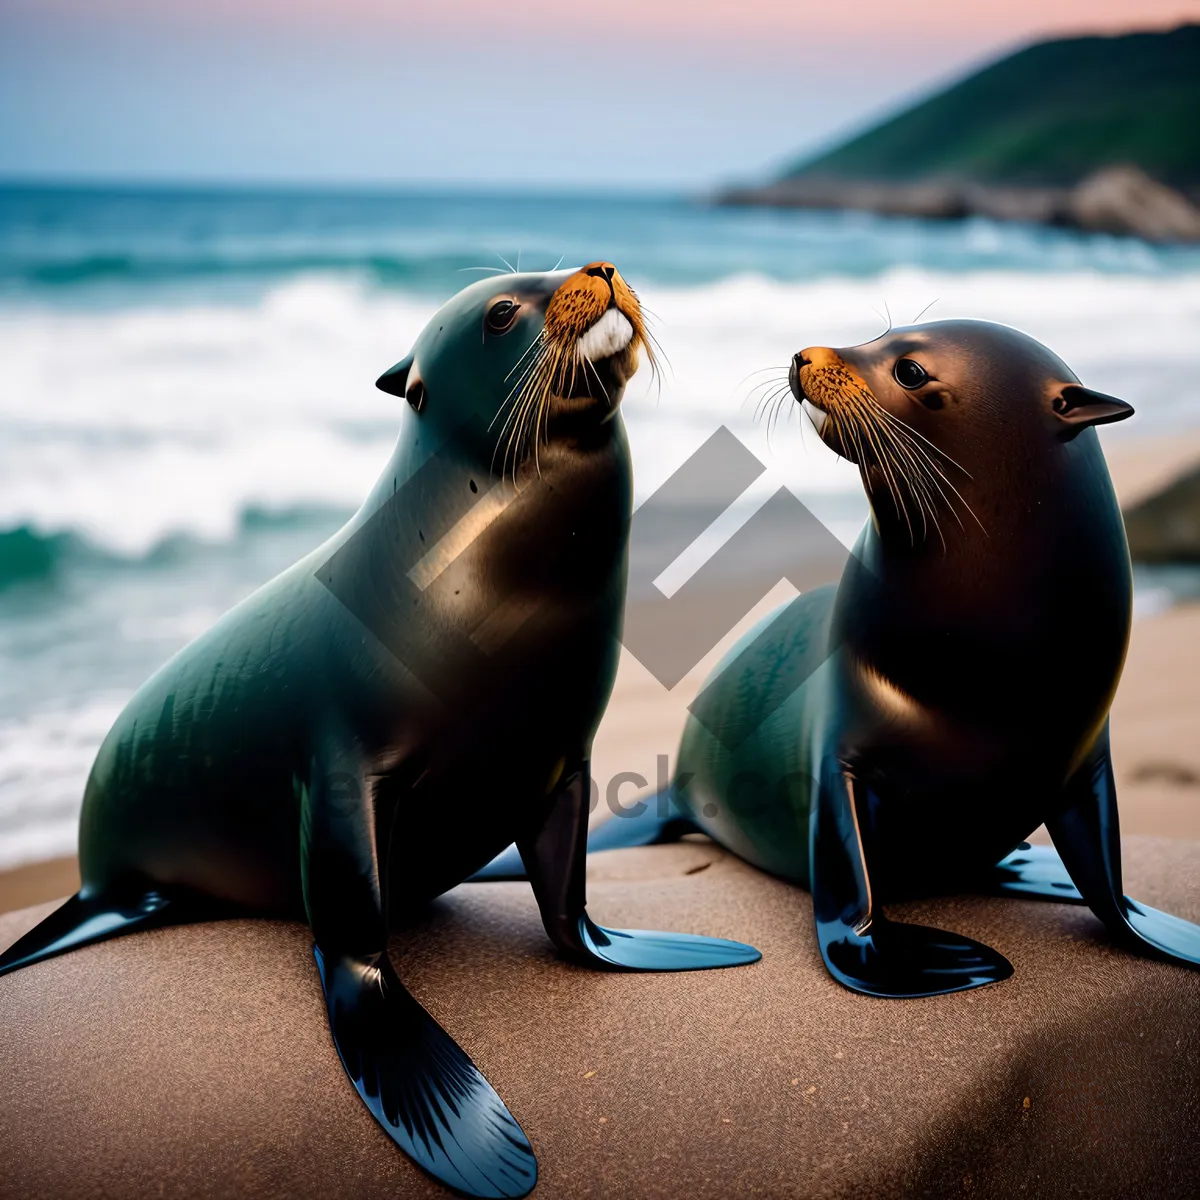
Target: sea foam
<point>127,427</point>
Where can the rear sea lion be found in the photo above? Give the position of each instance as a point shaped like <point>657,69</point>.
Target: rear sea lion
<point>905,730</point>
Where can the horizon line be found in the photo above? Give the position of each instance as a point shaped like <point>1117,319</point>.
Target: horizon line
<point>86,181</point>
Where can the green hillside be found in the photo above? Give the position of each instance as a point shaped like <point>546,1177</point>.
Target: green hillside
<point>1049,114</point>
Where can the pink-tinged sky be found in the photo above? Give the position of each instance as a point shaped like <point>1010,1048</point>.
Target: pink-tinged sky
<point>719,19</point>
<point>626,93</point>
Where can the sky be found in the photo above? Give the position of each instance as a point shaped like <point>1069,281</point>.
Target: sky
<point>622,94</point>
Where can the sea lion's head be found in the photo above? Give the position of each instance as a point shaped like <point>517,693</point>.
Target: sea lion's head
<point>935,413</point>
<point>514,360</point>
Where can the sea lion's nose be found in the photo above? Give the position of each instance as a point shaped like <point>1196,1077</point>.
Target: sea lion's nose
<point>602,270</point>
<point>817,356</point>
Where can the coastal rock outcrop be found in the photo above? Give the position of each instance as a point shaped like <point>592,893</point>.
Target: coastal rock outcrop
<point>1165,527</point>
<point>1124,199</point>
<point>1119,199</point>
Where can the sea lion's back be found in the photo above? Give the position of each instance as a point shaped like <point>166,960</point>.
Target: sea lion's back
<point>743,771</point>
<point>204,745</point>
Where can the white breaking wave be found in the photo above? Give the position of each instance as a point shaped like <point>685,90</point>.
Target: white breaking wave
<point>44,762</point>
<point>131,425</point>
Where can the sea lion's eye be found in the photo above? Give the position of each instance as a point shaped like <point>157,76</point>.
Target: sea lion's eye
<point>910,374</point>
<point>501,316</point>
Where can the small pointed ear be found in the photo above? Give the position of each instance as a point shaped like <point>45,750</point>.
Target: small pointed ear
<point>395,380</point>
<point>1080,407</point>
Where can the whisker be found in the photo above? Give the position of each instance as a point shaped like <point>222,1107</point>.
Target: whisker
<point>929,473</point>
<point>760,371</point>
<point>655,353</point>
<point>936,449</point>
<point>882,462</point>
<point>908,431</point>
<point>537,345</point>
<point>541,337</point>
<point>777,377</point>
<point>925,309</point>
<point>905,453</point>
<point>914,479</point>
<point>541,384</point>
<point>781,407</point>
<point>536,380</point>
<point>917,444</point>
<point>778,393</point>
<point>764,384</point>
<point>772,389</point>
<point>607,398</point>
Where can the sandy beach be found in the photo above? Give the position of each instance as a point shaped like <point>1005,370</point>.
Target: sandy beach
<point>1156,717</point>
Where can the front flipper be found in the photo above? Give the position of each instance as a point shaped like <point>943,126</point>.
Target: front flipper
<point>1035,873</point>
<point>554,857</point>
<point>1088,837</point>
<point>420,1085</point>
<point>88,918</point>
<point>862,948</point>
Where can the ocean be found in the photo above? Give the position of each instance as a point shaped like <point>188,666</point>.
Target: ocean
<point>187,400</point>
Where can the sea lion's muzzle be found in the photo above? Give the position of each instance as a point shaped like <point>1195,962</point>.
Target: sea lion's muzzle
<point>597,311</point>
<point>819,378</point>
<point>594,325</point>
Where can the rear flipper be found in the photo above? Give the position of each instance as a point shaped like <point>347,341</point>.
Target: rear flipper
<point>863,949</point>
<point>421,1087</point>
<point>555,858</point>
<point>654,825</point>
<point>1034,873</point>
<point>419,1083</point>
<point>88,918</point>
<point>1088,837</point>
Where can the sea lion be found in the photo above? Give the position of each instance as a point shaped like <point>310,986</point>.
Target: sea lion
<point>905,730</point>
<point>378,721</point>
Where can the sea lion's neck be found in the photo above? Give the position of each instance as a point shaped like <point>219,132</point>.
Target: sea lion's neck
<point>436,515</point>
<point>423,454</point>
<point>1034,599</point>
<point>1020,537</point>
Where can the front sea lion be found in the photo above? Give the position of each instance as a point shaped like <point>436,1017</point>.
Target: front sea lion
<point>381,719</point>
<point>907,729</point>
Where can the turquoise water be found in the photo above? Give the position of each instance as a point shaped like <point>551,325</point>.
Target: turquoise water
<point>186,399</point>
<point>115,245</point>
